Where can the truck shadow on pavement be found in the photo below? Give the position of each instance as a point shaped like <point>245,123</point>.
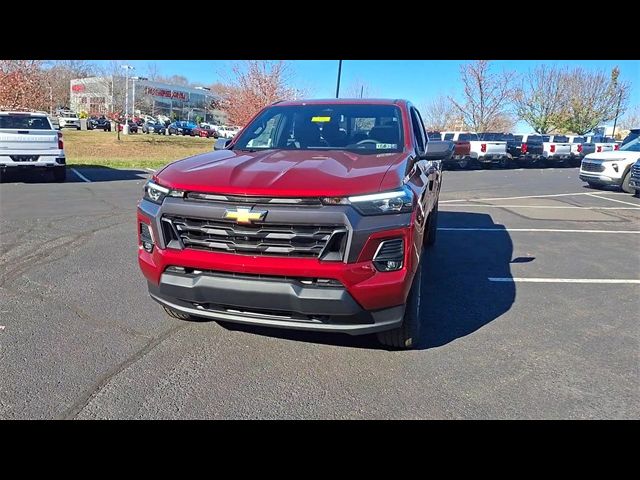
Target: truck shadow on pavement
<point>457,296</point>
<point>94,175</point>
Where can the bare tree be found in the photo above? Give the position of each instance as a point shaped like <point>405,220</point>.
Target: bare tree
<point>359,89</point>
<point>22,85</point>
<point>631,119</point>
<point>153,71</point>
<point>441,114</point>
<point>593,98</point>
<point>486,96</point>
<point>540,98</point>
<point>59,75</point>
<point>254,85</point>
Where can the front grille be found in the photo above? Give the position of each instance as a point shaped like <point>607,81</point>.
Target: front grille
<point>215,198</point>
<point>256,239</point>
<point>592,167</point>
<point>635,171</point>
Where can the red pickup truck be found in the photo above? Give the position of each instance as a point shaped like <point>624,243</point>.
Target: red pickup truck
<point>314,217</point>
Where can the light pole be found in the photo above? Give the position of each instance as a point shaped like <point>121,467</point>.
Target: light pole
<point>613,134</point>
<point>125,127</point>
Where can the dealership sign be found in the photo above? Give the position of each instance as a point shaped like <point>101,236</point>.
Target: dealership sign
<point>160,92</point>
<point>78,87</point>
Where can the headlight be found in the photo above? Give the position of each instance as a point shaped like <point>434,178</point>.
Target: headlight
<point>157,193</point>
<point>397,201</point>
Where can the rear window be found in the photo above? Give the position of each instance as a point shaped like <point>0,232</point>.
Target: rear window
<point>578,140</point>
<point>434,135</point>
<point>491,136</point>
<point>535,139</point>
<point>546,138</point>
<point>448,136</point>
<point>560,138</point>
<point>26,122</point>
<point>518,138</point>
<point>468,137</point>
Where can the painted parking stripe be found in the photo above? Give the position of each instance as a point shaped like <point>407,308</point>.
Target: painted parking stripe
<point>541,206</point>
<point>528,196</point>
<point>563,280</point>
<point>614,200</point>
<point>82,177</point>
<point>534,230</point>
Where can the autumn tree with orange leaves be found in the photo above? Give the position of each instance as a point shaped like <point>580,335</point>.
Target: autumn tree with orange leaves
<point>22,85</point>
<point>254,85</point>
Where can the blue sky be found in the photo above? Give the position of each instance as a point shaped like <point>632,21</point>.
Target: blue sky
<point>416,80</point>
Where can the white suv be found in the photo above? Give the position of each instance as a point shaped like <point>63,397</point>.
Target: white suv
<point>69,120</point>
<point>611,168</point>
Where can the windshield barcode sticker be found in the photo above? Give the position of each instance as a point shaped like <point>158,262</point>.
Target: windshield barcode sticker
<point>386,146</point>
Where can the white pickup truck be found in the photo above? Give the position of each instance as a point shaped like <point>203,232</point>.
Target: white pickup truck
<point>598,144</point>
<point>556,149</point>
<point>611,168</point>
<point>482,152</point>
<point>29,141</point>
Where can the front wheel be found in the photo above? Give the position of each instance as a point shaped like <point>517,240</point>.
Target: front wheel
<point>77,128</point>
<point>432,228</point>
<point>626,188</point>
<point>406,336</point>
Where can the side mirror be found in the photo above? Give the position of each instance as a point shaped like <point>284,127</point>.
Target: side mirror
<point>438,150</point>
<point>221,143</point>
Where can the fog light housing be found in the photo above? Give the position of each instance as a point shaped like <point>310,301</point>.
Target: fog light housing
<point>146,237</point>
<point>389,256</point>
<point>615,166</point>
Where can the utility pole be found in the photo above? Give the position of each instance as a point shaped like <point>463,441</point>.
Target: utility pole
<point>339,73</point>
<point>361,90</point>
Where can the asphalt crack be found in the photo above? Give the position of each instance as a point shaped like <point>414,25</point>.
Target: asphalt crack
<point>79,405</point>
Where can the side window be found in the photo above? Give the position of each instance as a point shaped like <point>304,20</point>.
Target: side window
<point>418,129</point>
<point>265,134</point>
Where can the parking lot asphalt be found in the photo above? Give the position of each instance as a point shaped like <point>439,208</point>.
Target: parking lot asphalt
<point>531,301</point>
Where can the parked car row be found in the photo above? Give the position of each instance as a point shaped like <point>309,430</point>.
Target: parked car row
<point>507,150</point>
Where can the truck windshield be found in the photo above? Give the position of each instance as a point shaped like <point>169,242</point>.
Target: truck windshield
<point>24,121</point>
<point>364,128</point>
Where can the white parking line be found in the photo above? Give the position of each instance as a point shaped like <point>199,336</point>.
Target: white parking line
<point>562,280</point>
<point>540,206</point>
<point>533,230</point>
<point>614,200</point>
<point>82,177</point>
<point>526,196</point>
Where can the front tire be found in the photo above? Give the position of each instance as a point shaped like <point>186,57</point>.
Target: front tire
<point>432,228</point>
<point>177,314</point>
<point>626,188</point>
<point>406,336</point>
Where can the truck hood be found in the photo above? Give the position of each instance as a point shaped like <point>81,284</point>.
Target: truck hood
<point>613,155</point>
<point>283,173</point>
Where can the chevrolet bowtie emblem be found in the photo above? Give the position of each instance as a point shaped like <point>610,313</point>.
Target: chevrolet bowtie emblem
<point>244,215</point>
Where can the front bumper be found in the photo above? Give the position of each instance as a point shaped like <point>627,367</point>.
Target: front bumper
<point>600,179</point>
<point>357,306</point>
<point>283,303</point>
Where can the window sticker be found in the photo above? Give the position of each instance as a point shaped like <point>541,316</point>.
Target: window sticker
<point>321,119</point>
<point>386,146</point>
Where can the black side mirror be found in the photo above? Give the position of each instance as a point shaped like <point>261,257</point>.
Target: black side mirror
<point>438,150</point>
<point>221,143</point>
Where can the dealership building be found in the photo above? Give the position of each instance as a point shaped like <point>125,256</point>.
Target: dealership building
<point>103,95</point>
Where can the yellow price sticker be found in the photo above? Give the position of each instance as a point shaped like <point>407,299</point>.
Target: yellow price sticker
<point>321,119</point>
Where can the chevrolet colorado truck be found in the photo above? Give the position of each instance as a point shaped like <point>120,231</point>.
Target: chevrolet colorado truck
<point>29,141</point>
<point>313,217</point>
<point>611,168</point>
